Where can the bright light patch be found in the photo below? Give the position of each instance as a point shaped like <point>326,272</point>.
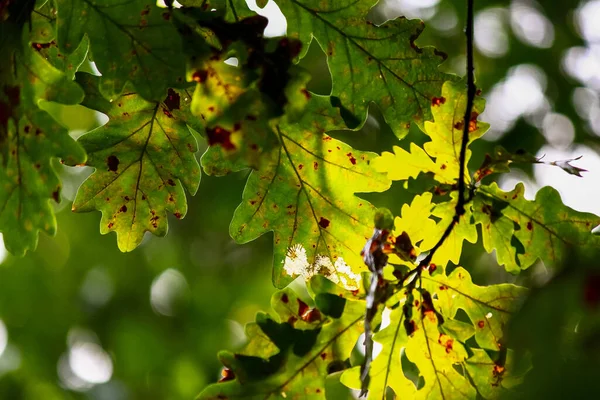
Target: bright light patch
<point>3,252</point>
<point>558,130</point>
<point>3,337</point>
<point>520,94</point>
<point>422,9</point>
<point>296,264</point>
<point>491,37</point>
<point>90,363</point>
<point>277,25</point>
<point>166,290</point>
<point>531,26</point>
<point>587,17</point>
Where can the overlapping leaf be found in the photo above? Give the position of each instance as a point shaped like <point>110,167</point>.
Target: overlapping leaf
<point>144,158</point>
<point>288,356</point>
<point>446,134</point>
<point>239,101</point>
<point>304,192</point>
<point>29,137</point>
<point>131,40</point>
<point>44,30</point>
<point>371,63</point>
<point>424,330</point>
<point>545,227</point>
<point>451,249</point>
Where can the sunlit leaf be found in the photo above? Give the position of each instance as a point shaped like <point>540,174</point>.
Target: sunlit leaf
<point>446,135</point>
<point>144,158</point>
<point>423,331</point>
<point>451,249</point>
<point>304,192</point>
<point>545,227</point>
<point>369,63</point>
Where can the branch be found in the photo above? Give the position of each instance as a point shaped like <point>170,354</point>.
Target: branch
<point>463,199</point>
<point>460,205</point>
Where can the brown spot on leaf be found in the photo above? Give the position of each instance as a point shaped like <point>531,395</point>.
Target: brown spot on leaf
<point>443,287</point>
<point>481,324</point>
<point>300,166</point>
<point>351,158</point>
<point>221,136</point>
<point>285,298</point>
<point>410,327</point>
<point>591,291</point>
<point>302,307</point>
<point>226,375</point>
<point>200,76</point>
<point>173,100</point>
<point>171,182</point>
<point>113,163</point>
<point>443,166</point>
<point>123,209</point>
<point>305,93</point>
<point>110,225</point>
<point>529,225</point>
<point>178,215</point>
<point>315,165</point>
<point>438,101</point>
<point>56,195</point>
<point>324,223</point>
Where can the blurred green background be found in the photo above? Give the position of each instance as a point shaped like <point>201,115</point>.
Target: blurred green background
<point>80,320</point>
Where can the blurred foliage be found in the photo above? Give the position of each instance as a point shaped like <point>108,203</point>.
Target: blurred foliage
<point>78,285</point>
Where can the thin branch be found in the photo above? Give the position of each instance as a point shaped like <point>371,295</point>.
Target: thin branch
<point>463,199</point>
<point>460,205</point>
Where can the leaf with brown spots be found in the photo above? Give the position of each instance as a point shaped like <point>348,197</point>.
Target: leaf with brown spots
<point>437,343</point>
<point>287,357</point>
<point>493,378</point>
<point>545,227</point>
<point>144,158</point>
<point>130,41</point>
<point>29,138</point>
<point>327,223</point>
<point>370,63</point>
<point>238,102</point>
<point>440,156</point>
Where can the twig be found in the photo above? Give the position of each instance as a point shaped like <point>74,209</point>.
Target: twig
<point>460,205</point>
<point>463,199</point>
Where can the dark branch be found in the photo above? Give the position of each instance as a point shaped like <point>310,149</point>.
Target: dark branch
<point>463,197</point>
<point>460,205</point>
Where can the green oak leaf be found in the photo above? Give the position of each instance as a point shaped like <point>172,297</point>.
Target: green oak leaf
<point>29,138</point>
<point>304,192</point>
<point>43,37</point>
<point>238,102</point>
<point>424,330</point>
<point>545,227</point>
<point>492,378</point>
<point>489,307</point>
<point>451,249</point>
<point>446,136</point>
<point>370,63</point>
<point>308,343</point>
<point>144,158</point>
<point>131,40</point>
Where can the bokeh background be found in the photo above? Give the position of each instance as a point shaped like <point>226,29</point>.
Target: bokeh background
<point>80,320</point>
